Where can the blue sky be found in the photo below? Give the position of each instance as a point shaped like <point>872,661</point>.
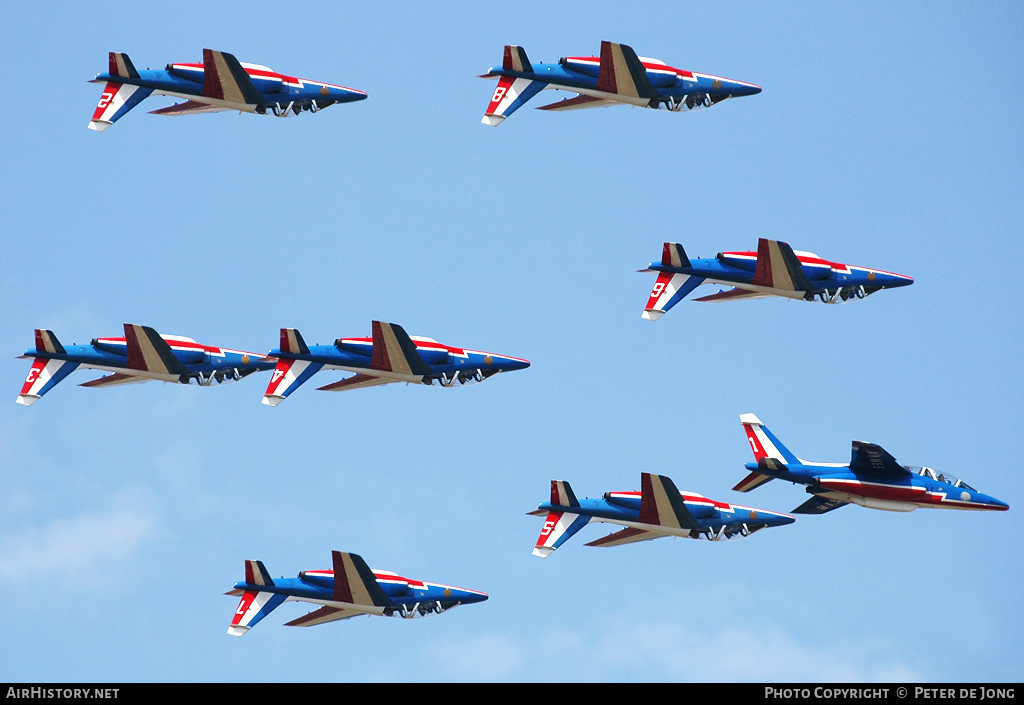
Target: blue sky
<point>886,136</point>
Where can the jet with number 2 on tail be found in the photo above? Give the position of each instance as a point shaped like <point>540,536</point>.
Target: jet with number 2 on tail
<point>141,355</point>
<point>872,479</point>
<point>390,356</point>
<point>657,510</point>
<point>617,77</point>
<point>221,82</point>
<point>349,590</point>
<point>774,270</point>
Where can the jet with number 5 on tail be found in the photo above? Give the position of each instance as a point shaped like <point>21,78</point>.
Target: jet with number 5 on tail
<point>349,590</point>
<point>774,270</point>
<point>872,479</point>
<point>141,355</point>
<point>221,82</point>
<point>389,356</point>
<point>657,510</point>
<point>617,77</point>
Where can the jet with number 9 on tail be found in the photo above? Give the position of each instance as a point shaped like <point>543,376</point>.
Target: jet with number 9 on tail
<point>141,355</point>
<point>389,356</point>
<point>221,82</point>
<point>349,590</point>
<point>774,270</point>
<point>617,77</point>
<point>872,479</point>
<point>657,510</point>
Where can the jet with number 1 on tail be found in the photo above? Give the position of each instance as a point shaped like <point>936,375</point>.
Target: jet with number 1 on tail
<point>872,478</point>
<point>774,270</point>
<point>350,589</point>
<point>657,510</point>
<point>140,356</point>
<point>389,356</point>
<point>617,77</point>
<point>220,83</point>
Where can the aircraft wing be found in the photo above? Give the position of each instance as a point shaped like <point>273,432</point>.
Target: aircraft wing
<point>874,460</point>
<point>628,535</point>
<point>116,378</point>
<point>819,505</point>
<point>580,102</point>
<point>354,584</point>
<point>357,382</point>
<point>661,504</point>
<point>225,79</point>
<point>779,268</point>
<point>621,72</point>
<point>323,616</point>
<point>734,295</point>
<point>189,107</point>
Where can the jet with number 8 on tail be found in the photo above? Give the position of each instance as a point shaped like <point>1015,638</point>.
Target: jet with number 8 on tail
<point>617,77</point>
<point>221,82</point>
<point>349,590</point>
<point>774,270</point>
<point>872,479</point>
<point>657,510</point>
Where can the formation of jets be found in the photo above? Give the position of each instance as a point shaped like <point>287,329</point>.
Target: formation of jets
<point>618,76</point>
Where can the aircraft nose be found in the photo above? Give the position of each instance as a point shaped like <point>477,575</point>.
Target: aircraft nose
<point>471,596</point>
<point>516,364</point>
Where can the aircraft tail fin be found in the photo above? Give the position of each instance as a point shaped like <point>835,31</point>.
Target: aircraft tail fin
<point>255,604</point>
<point>290,373</point>
<point>47,371</point>
<point>115,102</point>
<point>394,351</point>
<point>225,79</point>
<point>509,95</point>
<point>621,72</point>
<point>149,352</point>
<point>558,528</point>
<point>779,268</point>
<point>662,505</point>
<point>670,287</point>
<point>769,452</point>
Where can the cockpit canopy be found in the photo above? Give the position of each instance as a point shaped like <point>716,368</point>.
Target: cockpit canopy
<point>935,475</point>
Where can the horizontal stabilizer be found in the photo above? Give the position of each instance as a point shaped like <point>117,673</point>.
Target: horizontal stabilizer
<point>121,66</point>
<point>189,107</point>
<point>47,342</point>
<point>292,342</point>
<point>628,535</point>
<point>580,102</point>
<point>323,616</point>
<point>819,505</point>
<point>752,481</point>
<point>673,255</point>
<point>562,494</point>
<point>356,382</point>
<point>515,59</point>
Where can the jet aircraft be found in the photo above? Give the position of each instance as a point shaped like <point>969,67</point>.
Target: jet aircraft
<point>774,270</point>
<point>617,77</point>
<point>221,82</point>
<point>141,355</point>
<point>872,479</point>
<point>390,356</point>
<point>659,509</point>
<point>349,590</point>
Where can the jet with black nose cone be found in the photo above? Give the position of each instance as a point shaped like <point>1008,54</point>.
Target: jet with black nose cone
<point>774,270</point>
<point>350,589</point>
<point>390,355</point>
<point>617,77</point>
<point>141,355</point>
<point>221,82</point>
<point>872,479</point>
<point>657,510</point>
